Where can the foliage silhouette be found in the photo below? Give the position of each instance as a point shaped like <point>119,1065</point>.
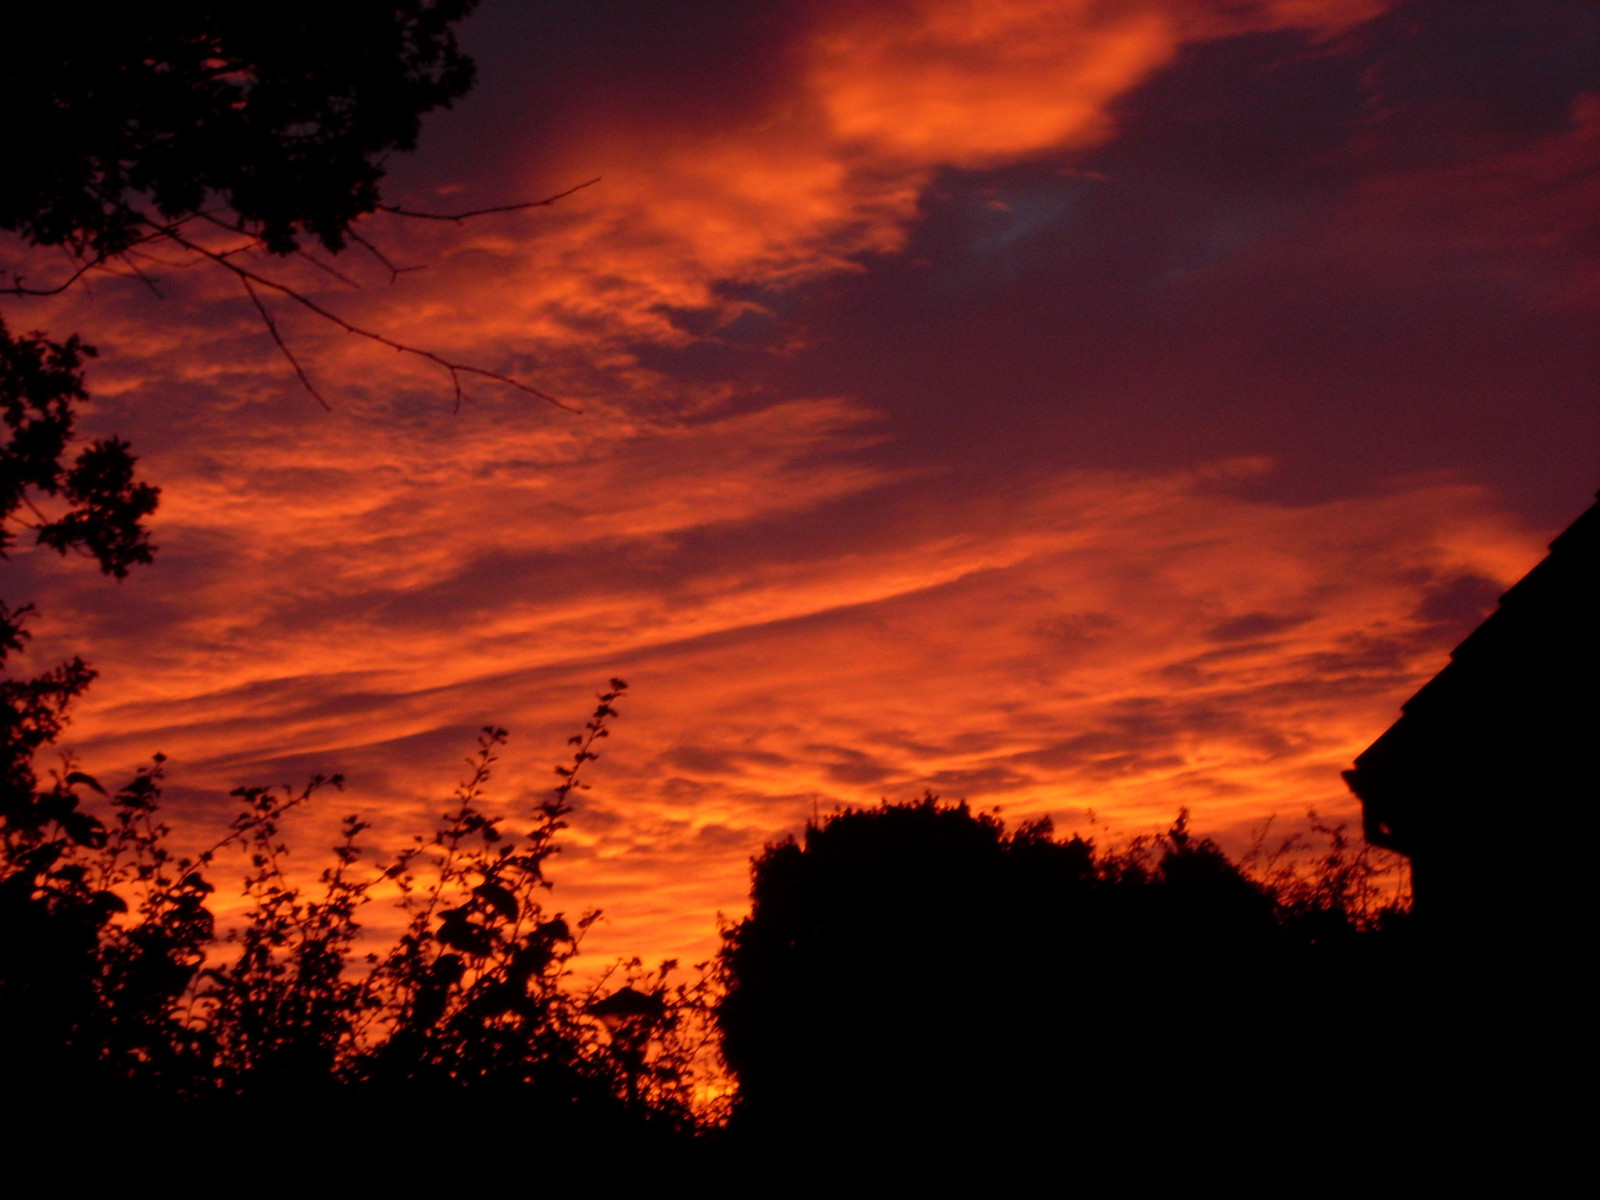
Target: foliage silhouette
<point>281,116</point>
<point>231,136</point>
<point>114,980</point>
<point>917,973</point>
<point>128,128</point>
<point>102,507</point>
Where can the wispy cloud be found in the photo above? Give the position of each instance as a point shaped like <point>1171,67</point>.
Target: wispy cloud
<point>1160,545</point>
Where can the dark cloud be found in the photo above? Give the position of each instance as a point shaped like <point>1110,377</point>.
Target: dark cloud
<point>844,765</point>
<point>964,782</point>
<point>722,837</point>
<point>1253,625</point>
<point>1221,278</point>
<point>1073,631</point>
<point>547,70</point>
<point>1459,603</point>
<point>1444,77</point>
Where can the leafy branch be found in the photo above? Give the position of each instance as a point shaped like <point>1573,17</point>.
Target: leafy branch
<point>174,233</point>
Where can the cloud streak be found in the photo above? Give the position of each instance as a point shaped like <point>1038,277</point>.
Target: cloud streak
<point>1067,406</point>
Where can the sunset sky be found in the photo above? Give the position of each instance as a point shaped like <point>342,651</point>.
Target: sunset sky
<point>1073,407</point>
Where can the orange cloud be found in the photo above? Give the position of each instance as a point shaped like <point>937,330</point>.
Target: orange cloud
<point>804,625</point>
<point>972,84</point>
<point>1122,643</point>
<point>831,172</point>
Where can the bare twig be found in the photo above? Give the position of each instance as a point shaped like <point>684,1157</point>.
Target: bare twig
<point>133,268</point>
<point>299,252</point>
<point>455,369</point>
<point>394,271</point>
<point>17,288</point>
<point>329,268</point>
<point>459,217</point>
<point>170,264</point>
<point>252,280</point>
<point>272,328</point>
<point>98,262</point>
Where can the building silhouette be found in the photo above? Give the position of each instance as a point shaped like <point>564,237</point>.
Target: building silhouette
<point>1487,779</point>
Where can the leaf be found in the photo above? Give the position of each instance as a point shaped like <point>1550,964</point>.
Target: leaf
<point>88,781</point>
<point>448,969</point>
<point>39,860</point>
<point>530,960</point>
<point>429,1006</point>
<point>459,934</point>
<point>628,1005</point>
<point>498,898</point>
<point>84,829</point>
<point>500,998</point>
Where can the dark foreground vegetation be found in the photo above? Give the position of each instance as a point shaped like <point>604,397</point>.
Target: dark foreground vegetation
<point>912,977</point>
<point>914,973</point>
<point>119,986</point>
<point>918,973</point>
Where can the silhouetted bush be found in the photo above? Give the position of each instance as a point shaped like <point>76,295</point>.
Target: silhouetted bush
<point>917,973</point>
<point>116,986</point>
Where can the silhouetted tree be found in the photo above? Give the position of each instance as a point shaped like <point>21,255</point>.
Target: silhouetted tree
<point>52,906</point>
<point>116,986</point>
<point>137,127</point>
<point>276,117</point>
<point>131,128</point>
<point>917,973</point>
<point>128,127</point>
<point>41,383</point>
<point>158,126</point>
<point>118,991</point>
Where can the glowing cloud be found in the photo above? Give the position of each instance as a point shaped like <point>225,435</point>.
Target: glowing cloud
<point>813,606</point>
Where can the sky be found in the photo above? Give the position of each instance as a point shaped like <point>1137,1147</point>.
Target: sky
<point>1087,409</point>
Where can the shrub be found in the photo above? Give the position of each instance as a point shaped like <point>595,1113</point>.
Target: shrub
<point>917,973</point>
<point>114,979</point>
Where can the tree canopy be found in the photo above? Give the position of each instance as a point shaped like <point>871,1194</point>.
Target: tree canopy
<point>41,383</point>
<point>279,114</point>
<point>918,972</point>
<point>272,120</point>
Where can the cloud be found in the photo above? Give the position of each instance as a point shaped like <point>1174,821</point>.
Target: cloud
<point>935,661</point>
<point>951,423</point>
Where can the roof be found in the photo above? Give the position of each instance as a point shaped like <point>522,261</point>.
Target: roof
<point>1510,722</point>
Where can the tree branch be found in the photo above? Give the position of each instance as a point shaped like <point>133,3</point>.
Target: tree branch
<point>394,271</point>
<point>98,262</point>
<point>252,280</point>
<point>328,268</point>
<point>455,369</point>
<point>460,217</point>
<point>133,269</point>
<point>16,288</point>
<point>272,328</point>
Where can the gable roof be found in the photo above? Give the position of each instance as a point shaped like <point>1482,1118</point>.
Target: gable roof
<point>1511,720</point>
